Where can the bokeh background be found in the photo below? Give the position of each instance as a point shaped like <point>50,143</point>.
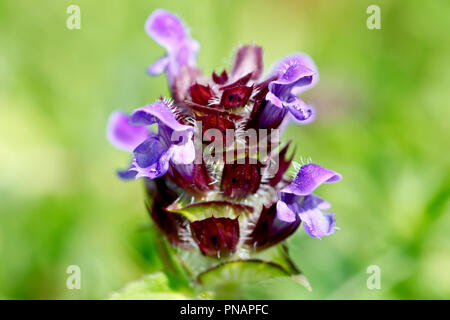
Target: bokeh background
<point>383,123</point>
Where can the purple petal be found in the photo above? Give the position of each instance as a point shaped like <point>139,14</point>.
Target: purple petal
<point>312,202</point>
<point>155,170</point>
<point>297,67</point>
<point>274,100</point>
<point>166,29</point>
<point>309,178</point>
<point>126,174</point>
<point>157,112</point>
<point>298,108</point>
<point>186,54</point>
<point>159,66</point>
<point>316,223</point>
<point>122,134</point>
<point>284,213</point>
<point>248,59</point>
<point>309,63</point>
<point>183,153</point>
<point>291,71</point>
<point>290,117</point>
<point>149,152</point>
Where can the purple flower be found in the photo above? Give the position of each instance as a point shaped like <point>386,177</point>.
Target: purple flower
<point>168,31</point>
<point>292,76</point>
<point>122,134</point>
<point>152,152</point>
<point>297,199</point>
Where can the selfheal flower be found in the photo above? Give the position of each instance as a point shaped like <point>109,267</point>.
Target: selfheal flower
<point>213,207</point>
<point>122,134</point>
<point>292,76</point>
<point>151,157</point>
<point>168,31</point>
<point>297,199</point>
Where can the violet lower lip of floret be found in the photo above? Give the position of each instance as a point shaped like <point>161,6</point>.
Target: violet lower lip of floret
<point>297,199</point>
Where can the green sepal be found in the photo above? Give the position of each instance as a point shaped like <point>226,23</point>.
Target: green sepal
<point>207,209</point>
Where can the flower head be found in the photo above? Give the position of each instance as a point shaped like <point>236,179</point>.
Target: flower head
<point>237,203</point>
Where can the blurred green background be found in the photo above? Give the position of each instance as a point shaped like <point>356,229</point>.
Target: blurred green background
<point>383,123</point>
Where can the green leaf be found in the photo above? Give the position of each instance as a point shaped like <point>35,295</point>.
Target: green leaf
<point>152,287</point>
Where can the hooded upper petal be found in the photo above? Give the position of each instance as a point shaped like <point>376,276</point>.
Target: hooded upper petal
<point>298,72</point>
<point>306,60</point>
<point>166,29</point>
<point>158,112</point>
<point>291,74</point>
<point>309,177</point>
<point>122,135</point>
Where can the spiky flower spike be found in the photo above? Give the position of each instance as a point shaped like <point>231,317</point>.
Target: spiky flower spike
<point>215,172</point>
